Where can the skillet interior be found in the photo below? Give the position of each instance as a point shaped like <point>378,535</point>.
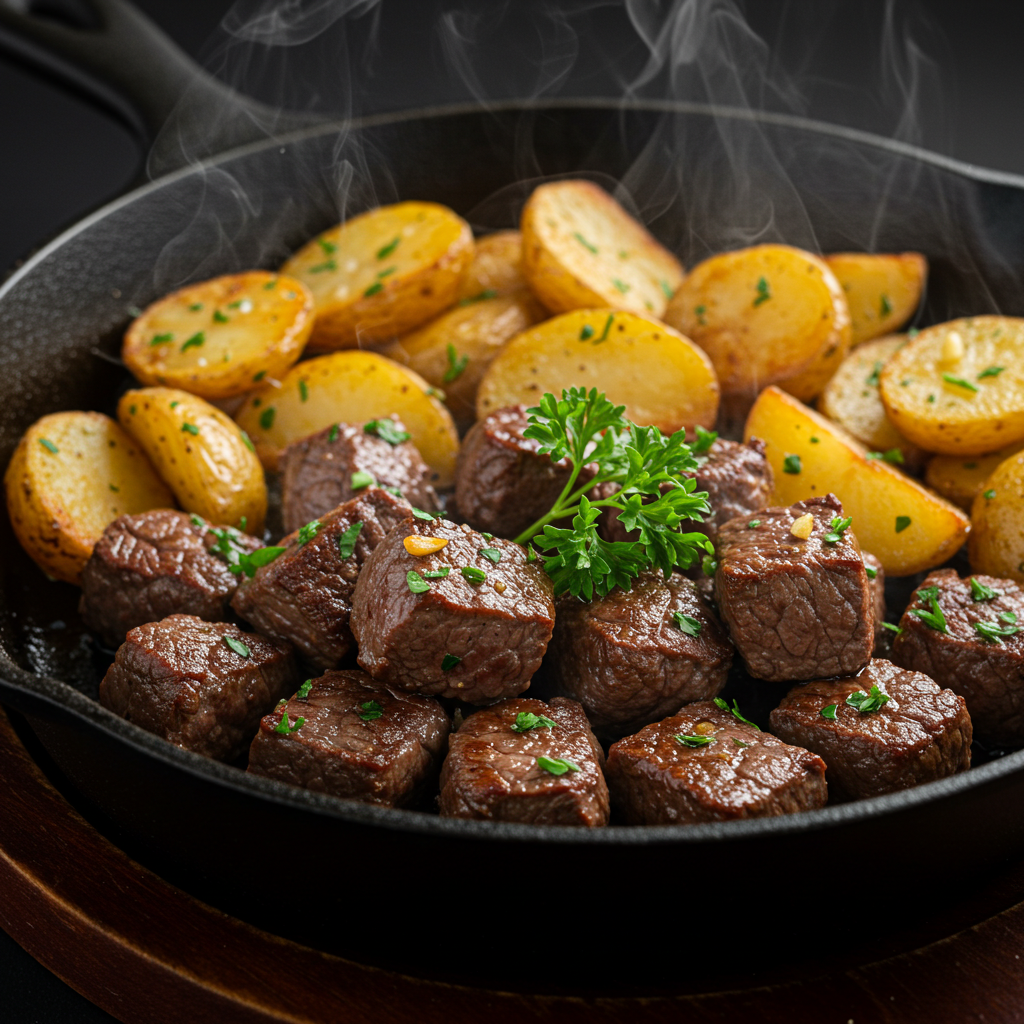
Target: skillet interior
<point>315,865</point>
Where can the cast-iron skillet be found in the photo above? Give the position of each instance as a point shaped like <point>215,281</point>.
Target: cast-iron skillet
<point>527,906</point>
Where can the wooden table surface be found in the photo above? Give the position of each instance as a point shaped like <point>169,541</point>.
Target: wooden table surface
<point>145,951</point>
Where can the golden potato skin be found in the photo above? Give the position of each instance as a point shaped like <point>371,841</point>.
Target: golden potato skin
<point>661,377</point>
<point>996,545</point>
<point>958,387</point>
<point>882,290</point>
<point>961,478</point>
<point>214,338</point>
<point>581,249</point>
<point>383,273</point>
<point>351,387</point>
<point>875,494</point>
<point>764,315</point>
<point>497,267</point>
<point>71,475</point>
<point>200,452</point>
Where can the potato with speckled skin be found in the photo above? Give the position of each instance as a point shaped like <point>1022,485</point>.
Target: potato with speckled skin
<point>72,474</point>
<point>215,338</point>
<point>351,387</point>
<point>497,267</point>
<point>662,378</point>
<point>200,453</point>
<point>581,249</point>
<point>882,290</point>
<point>996,545</point>
<point>383,273</point>
<point>958,387</point>
<point>961,478</point>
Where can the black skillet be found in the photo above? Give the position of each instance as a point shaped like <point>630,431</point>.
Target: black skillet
<point>646,908</point>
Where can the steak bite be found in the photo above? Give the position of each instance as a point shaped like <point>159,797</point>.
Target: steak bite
<point>636,656</point>
<point>346,735</point>
<point>798,605</point>
<point>470,620</point>
<point>987,673</point>
<point>305,595</point>
<point>506,764</point>
<point>154,564</point>
<point>922,732</point>
<point>876,584</point>
<point>704,764</point>
<point>201,685</point>
<point>317,472</point>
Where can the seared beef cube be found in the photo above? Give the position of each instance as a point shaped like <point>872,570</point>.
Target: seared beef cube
<point>704,764</point>
<point>987,673</point>
<point>796,608</point>
<point>354,738</point>
<point>504,765</point>
<point>636,656</point>
<point>471,620</point>
<point>305,594</point>
<point>876,583</point>
<point>921,733</point>
<point>201,685</point>
<point>154,564</point>
<point>316,472</point>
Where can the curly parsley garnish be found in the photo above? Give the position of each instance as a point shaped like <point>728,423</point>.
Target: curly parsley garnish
<point>686,624</point>
<point>286,728</point>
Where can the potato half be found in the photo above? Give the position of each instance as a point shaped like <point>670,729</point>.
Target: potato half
<point>71,475</point>
<point>996,546</point>
<point>351,387</point>
<point>383,273</point>
<point>215,338</point>
<point>958,387</point>
<point>661,377</point>
<point>764,315</point>
<point>961,478</point>
<point>581,249</point>
<point>497,267</point>
<point>906,526</point>
<point>200,452</point>
<point>882,291</point>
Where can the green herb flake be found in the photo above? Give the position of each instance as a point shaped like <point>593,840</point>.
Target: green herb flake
<point>377,286</point>
<point>933,619</point>
<point>347,540</point>
<point>303,691</point>
<point>114,488</point>
<point>328,247</point>
<point>705,439</point>
<point>247,440</point>
<point>620,286</point>
<point>267,417</point>
<point>161,339</point>
<point>993,632</point>
<point>686,624</point>
<point>1008,616</point>
<point>386,250</point>
<point>435,393</point>
<point>557,765</point>
<point>332,435</point>
<point>892,628</point>
<point>959,382</point>
<point>586,333</point>
<point>361,479</point>
<point>526,720</point>
<point>607,328</point>
<point>437,574</point>
<point>753,524</point>
<point>271,284</point>
<point>190,428</point>
<point>791,464</point>
<point>871,571</point>
<point>492,553</point>
<point>666,288</point>
<point>586,245</point>
<point>739,743</point>
<point>763,292</point>
<point>700,311</point>
<point>303,390</point>
<point>735,709</point>
<point>285,728</point>
<point>829,712</point>
<point>875,375</point>
<point>980,592</point>
<point>837,528</point>
<point>417,584</point>
<point>219,317</point>
<point>902,522</point>
<point>387,430</point>
<point>473,574</point>
<point>237,646</point>
<point>991,371</point>
<point>866,703</point>
<point>132,410</point>
<point>370,710</point>
<point>912,333</point>
<point>694,741</point>
<point>174,405</point>
<point>931,399</point>
<point>308,532</point>
<point>456,364</point>
<point>884,306</point>
<point>322,267</point>
<point>49,445</point>
<point>989,494</point>
<point>259,376</point>
<point>196,341</point>
<point>815,440</point>
<point>449,661</point>
<point>487,293</point>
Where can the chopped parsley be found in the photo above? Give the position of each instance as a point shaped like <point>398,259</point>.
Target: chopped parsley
<point>303,389</point>
<point>607,328</point>
<point>386,250</point>
<point>473,574</point>
<point>989,494</point>
<point>219,317</point>
<point>705,439</point>
<point>893,455</point>
<point>876,374</point>
<point>871,571</point>
<point>449,661</point>
<point>377,286</point>
<point>272,283</point>
<point>700,311</point>
<point>694,741</point>
<point>161,339</point>
<point>303,691</point>
<point>829,712</point>
<point>980,592</point>
<point>753,524</point>
<point>902,522</point>
<point>884,306</point>
<point>620,286</point>
<point>586,245</point>
<point>114,488</point>
<point>321,267</point>
<point>456,365</point>
<point>428,517</point>
<point>991,371</point>
<point>387,430</point>
<point>934,619</point>
<point>526,720</point>
<point>309,531</point>
<point>557,765</point>
<point>361,479</point>
<point>487,293</point>
<point>791,464</point>
<point>347,540</point>
<point>686,624</point>
<point>892,627</point>
<point>666,288</point>
<point>259,376</point>
<point>437,574</point>
<point>959,382</point>
<point>993,632</point>
<point>246,440</point>
<point>865,703</point>
<point>763,292</point>
<point>739,743</point>
<point>931,399</point>
<point>735,711</point>
<point>49,445</point>
<point>333,435</point>
<point>198,339</point>
<point>285,728</point>
<point>190,428</point>
<point>837,528</point>
<point>267,417</point>
<point>237,646</point>
<point>492,553</point>
<point>586,332</point>
<point>328,247</point>
<point>369,710</point>
<point>417,584</point>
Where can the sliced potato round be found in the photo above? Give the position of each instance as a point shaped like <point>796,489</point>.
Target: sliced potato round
<point>383,273</point>
<point>661,378</point>
<point>852,400</point>
<point>351,387</point>
<point>996,545</point>
<point>958,387</point>
<point>882,290</point>
<point>71,475</point>
<point>215,338</point>
<point>961,478</point>
<point>765,314</point>
<point>497,267</point>
<point>581,249</point>
<point>200,452</point>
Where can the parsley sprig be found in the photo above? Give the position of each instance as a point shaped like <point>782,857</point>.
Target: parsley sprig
<point>587,429</point>
<point>934,618</point>
<point>865,703</point>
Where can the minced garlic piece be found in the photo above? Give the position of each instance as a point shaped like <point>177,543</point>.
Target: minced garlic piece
<point>803,527</point>
<point>952,348</point>
<point>416,545</point>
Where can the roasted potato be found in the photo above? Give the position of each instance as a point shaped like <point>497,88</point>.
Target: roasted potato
<point>581,249</point>
<point>200,452</point>
<point>383,273</point>
<point>497,267</point>
<point>906,526</point>
<point>71,475</point>
<point>453,351</point>
<point>958,387</point>
<point>351,387</point>
<point>215,338</point>
<point>996,546</point>
<point>852,400</point>
<point>661,377</point>
<point>961,478</point>
<point>882,291</point>
<point>766,314</point>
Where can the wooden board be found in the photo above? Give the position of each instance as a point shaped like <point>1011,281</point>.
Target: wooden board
<point>145,951</point>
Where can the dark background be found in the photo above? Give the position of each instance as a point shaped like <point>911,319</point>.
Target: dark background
<point>946,75</point>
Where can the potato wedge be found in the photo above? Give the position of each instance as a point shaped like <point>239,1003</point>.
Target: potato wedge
<point>764,315</point>
<point>661,377</point>
<point>351,387</point>
<point>851,399</point>
<point>453,352</point>
<point>996,545</point>
<point>581,249</point>
<point>960,479</point>
<point>882,290</point>
<point>71,475</point>
<point>497,267</point>
<point>383,273</point>
<point>215,338</point>
<point>200,452</point>
<point>958,387</point>
<point>906,526</point>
